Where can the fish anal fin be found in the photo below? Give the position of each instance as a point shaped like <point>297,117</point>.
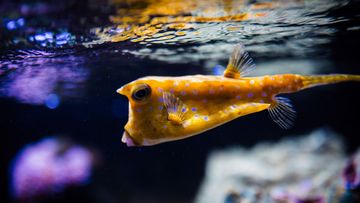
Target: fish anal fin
<point>240,63</point>
<point>175,108</point>
<point>282,113</point>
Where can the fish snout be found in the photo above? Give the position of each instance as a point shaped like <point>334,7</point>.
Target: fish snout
<point>121,90</point>
<point>126,138</point>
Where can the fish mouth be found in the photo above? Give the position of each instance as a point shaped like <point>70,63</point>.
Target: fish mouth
<point>128,140</point>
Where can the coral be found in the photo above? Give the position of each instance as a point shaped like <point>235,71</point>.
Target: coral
<point>49,166</point>
<point>301,169</point>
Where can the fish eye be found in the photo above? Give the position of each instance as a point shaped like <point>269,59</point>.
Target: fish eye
<point>141,92</point>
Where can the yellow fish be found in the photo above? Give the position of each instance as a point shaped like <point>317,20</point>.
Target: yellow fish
<point>163,109</point>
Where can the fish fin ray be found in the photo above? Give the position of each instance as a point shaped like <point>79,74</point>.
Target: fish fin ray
<point>283,113</point>
<point>175,108</point>
<point>240,63</point>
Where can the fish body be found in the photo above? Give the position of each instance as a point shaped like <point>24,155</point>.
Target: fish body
<point>163,109</point>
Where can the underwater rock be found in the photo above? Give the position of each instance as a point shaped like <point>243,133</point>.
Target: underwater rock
<point>48,167</point>
<point>301,169</point>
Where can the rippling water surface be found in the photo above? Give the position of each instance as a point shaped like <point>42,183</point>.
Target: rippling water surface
<point>61,62</point>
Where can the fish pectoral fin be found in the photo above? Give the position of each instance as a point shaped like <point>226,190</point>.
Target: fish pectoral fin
<point>175,108</point>
<point>283,113</point>
<point>240,63</point>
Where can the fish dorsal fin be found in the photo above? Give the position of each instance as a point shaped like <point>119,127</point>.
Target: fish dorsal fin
<point>283,113</point>
<point>174,107</point>
<point>240,63</point>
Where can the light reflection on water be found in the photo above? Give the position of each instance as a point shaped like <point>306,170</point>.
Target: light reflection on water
<point>35,76</point>
<point>276,28</point>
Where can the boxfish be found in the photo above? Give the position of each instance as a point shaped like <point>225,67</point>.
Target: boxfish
<point>163,109</point>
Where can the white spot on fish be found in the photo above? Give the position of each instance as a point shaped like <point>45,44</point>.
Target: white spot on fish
<point>183,110</point>
<point>187,84</point>
<point>193,109</point>
<point>280,79</point>
<point>250,95</point>
<point>183,93</point>
<point>172,90</point>
<point>233,106</point>
<point>176,83</point>
<point>161,100</point>
<point>186,123</point>
<point>252,82</point>
<point>264,94</point>
<point>206,118</point>
<point>159,90</point>
<point>196,116</point>
<point>261,101</point>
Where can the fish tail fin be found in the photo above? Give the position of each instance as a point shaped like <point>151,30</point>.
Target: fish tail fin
<point>315,80</point>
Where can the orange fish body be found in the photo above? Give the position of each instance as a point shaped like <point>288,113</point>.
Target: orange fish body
<point>163,109</point>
